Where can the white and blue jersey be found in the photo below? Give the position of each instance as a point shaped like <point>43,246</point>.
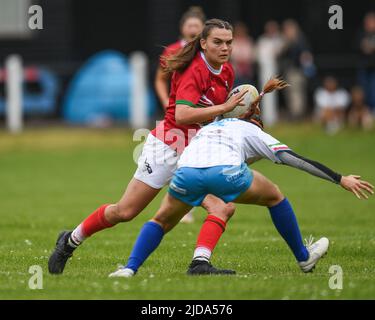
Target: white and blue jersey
<point>215,161</point>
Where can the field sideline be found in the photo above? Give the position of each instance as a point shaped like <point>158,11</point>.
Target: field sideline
<point>53,178</point>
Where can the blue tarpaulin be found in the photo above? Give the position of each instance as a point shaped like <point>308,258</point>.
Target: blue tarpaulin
<point>101,90</point>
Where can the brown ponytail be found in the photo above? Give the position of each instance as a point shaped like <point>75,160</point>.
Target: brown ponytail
<point>253,115</point>
<point>271,85</point>
<point>181,60</point>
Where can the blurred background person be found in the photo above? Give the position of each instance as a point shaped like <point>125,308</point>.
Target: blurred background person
<point>243,55</point>
<point>267,49</point>
<point>191,25</point>
<point>367,59</point>
<point>296,64</point>
<point>331,102</point>
<point>359,112</point>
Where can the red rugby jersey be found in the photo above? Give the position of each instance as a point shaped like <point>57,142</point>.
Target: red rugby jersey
<point>199,86</point>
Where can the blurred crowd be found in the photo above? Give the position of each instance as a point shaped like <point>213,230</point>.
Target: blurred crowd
<point>102,84</point>
<point>283,49</point>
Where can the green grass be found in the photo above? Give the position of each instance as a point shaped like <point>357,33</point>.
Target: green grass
<point>51,179</point>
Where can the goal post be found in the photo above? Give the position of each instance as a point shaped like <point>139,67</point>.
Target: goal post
<point>13,89</point>
<point>138,95</point>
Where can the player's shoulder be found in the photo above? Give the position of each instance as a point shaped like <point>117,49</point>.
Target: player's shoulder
<point>197,67</point>
<point>250,130</point>
<point>238,124</point>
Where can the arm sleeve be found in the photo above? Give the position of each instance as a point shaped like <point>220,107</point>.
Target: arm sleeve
<point>315,168</point>
<point>189,89</point>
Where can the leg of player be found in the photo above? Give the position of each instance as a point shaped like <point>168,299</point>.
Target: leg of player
<point>170,213</point>
<point>167,217</point>
<point>263,192</point>
<point>136,197</point>
<point>189,217</point>
<point>213,227</point>
<point>223,184</point>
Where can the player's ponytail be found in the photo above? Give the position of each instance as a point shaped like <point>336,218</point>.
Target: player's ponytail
<point>181,60</point>
<point>253,115</point>
<point>271,85</point>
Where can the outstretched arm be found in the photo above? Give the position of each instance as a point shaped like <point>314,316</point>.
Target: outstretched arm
<point>315,168</point>
<point>351,183</point>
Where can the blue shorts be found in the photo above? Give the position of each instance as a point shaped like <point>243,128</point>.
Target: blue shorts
<point>191,185</point>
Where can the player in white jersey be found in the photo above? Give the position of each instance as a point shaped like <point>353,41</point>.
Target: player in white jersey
<point>215,163</point>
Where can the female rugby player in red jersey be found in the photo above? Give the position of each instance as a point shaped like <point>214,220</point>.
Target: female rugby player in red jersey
<point>201,81</point>
<point>191,25</point>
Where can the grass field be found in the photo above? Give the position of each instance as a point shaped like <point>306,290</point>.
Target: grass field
<point>53,178</point>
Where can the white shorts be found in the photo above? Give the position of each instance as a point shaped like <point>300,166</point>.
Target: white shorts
<point>157,163</point>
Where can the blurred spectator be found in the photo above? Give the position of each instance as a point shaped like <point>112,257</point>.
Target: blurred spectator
<point>359,113</point>
<point>367,65</point>
<point>296,63</point>
<point>243,55</point>
<point>191,25</point>
<point>331,102</point>
<point>268,48</point>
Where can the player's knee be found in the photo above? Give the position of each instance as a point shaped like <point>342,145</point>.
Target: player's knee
<point>166,222</point>
<point>230,208</point>
<point>225,211</point>
<point>163,223</point>
<point>276,196</point>
<point>124,214</point>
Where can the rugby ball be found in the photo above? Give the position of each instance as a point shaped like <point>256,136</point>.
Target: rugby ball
<point>249,97</point>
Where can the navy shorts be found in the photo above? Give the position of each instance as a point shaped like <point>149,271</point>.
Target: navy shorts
<point>191,185</point>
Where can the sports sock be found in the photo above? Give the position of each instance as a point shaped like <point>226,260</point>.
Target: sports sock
<point>93,223</point>
<point>148,240</point>
<point>209,235</point>
<point>286,224</point>
<point>202,254</point>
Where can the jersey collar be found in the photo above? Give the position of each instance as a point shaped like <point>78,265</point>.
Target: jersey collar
<point>214,71</point>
